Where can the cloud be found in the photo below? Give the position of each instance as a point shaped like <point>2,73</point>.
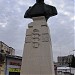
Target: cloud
<point>13,25</point>
<point>73,18</point>
<point>48,2</point>
<point>3,25</point>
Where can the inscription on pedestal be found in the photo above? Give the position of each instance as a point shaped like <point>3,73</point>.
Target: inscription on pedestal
<point>45,37</point>
<point>35,45</point>
<point>28,39</point>
<point>37,58</point>
<point>35,38</point>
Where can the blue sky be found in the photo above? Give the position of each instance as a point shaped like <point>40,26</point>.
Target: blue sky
<point>13,25</point>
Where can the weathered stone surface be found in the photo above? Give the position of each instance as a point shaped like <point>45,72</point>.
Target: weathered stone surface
<point>37,55</point>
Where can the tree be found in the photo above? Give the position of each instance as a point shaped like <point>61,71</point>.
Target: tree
<point>73,62</point>
<point>2,57</point>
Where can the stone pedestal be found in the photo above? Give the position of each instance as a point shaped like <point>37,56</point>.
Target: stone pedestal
<point>37,55</point>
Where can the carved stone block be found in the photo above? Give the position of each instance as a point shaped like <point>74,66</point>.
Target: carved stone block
<point>45,37</point>
<point>35,45</point>
<point>28,39</point>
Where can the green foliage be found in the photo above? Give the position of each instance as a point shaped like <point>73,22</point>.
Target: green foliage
<point>2,57</point>
<point>73,62</point>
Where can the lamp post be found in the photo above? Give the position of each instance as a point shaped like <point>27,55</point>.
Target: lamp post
<point>70,59</point>
<point>74,52</point>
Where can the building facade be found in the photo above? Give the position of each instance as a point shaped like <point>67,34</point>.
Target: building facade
<point>2,63</point>
<point>10,64</point>
<point>6,49</point>
<point>65,71</point>
<point>64,60</point>
<point>13,65</point>
<point>2,70</point>
<point>64,65</point>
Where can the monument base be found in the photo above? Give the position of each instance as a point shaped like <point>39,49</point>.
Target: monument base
<point>37,55</point>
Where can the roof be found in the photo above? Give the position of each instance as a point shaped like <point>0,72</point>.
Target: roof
<point>6,44</point>
<point>14,57</point>
<point>64,68</point>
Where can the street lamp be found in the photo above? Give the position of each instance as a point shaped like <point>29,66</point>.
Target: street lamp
<point>74,52</point>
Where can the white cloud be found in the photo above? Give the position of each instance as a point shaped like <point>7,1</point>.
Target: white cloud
<point>66,13</point>
<point>21,2</point>
<point>62,6</point>
<point>3,25</point>
<point>50,2</point>
<point>62,28</point>
<point>73,18</point>
<point>62,22</point>
<point>74,27</point>
<point>25,2</point>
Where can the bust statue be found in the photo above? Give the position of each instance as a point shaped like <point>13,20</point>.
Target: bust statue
<point>40,9</point>
<point>39,1</point>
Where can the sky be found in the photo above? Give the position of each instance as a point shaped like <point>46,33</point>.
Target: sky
<point>13,25</point>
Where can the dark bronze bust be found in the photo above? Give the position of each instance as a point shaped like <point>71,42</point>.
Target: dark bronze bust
<point>40,9</point>
<point>39,1</point>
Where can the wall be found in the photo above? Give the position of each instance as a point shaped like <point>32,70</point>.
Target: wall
<point>65,70</point>
<point>2,69</point>
<point>6,49</point>
<point>13,65</point>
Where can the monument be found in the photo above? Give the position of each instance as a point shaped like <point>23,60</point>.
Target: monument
<point>37,54</point>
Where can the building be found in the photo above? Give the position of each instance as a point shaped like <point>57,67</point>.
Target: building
<point>6,49</point>
<point>65,71</point>
<point>2,63</point>
<point>64,60</point>
<point>64,65</point>
<point>55,67</point>
<point>10,64</point>
<point>13,65</point>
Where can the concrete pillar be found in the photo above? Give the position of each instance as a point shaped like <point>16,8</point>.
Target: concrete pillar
<point>37,54</point>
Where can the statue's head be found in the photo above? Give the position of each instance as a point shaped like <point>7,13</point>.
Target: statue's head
<point>39,1</point>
